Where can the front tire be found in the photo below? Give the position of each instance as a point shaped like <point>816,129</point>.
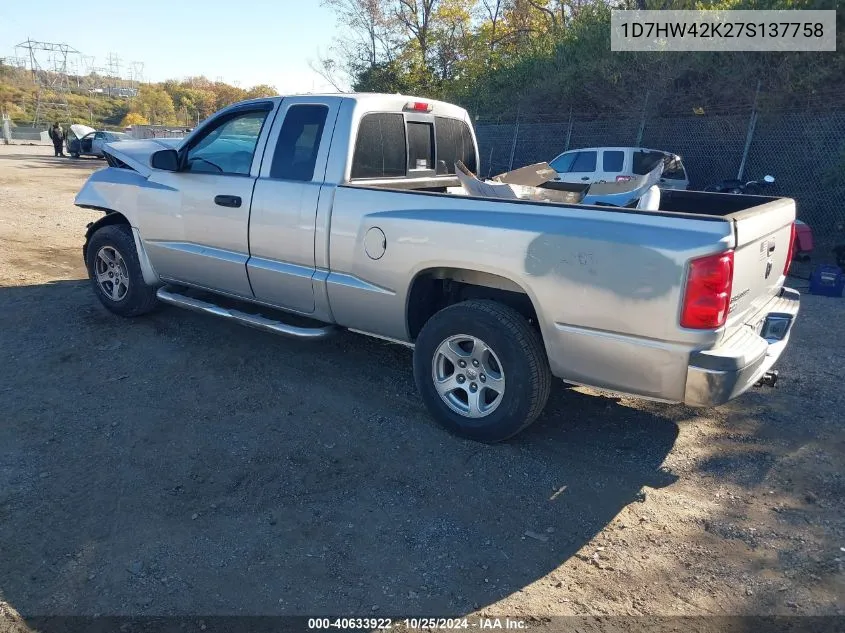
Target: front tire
<point>482,370</point>
<point>115,272</point>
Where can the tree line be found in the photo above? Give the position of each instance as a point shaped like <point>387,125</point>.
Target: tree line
<point>172,102</point>
<point>188,101</point>
<point>541,57</point>
<point>500,59</point>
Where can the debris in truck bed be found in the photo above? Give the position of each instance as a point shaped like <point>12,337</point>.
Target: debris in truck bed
<point>530,175</point>
<point>512,190</point>
<point>536,183</point>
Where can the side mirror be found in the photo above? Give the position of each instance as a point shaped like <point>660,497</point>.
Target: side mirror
<point>166,159</point>
<point>768,179</point>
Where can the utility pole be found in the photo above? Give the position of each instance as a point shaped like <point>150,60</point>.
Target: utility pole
<point>752,123</point>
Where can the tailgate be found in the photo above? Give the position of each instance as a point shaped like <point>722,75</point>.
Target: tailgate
<point>762,243</point>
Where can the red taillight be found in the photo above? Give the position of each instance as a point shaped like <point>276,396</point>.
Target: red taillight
<point>623,178</point>
<point>418,106</point>
<point>707,297</point>
<point>791,250</point>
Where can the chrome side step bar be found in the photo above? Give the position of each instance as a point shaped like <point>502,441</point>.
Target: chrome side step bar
<point>250,320</point>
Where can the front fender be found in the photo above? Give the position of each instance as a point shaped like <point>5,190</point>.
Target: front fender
<point>112,189</point>
<point>115,191</point>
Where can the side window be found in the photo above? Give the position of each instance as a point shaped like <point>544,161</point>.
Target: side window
<point>644,162</point>
<point>99,135</point>
<point>299,142</point>
<point>380,150</point>
<point>563,163</point>
<point>453,141</point>
<point>420,146</point>
<point>584,161</point>
<point>612,160</point>
<point>229,147</point>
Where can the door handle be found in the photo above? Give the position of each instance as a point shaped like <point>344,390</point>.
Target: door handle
<point>228,201</point>
<point>585,178</point>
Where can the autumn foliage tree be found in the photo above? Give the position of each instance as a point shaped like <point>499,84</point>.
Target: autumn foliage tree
<point>133,118</point>
<point>154,104</point>
<point>192,99</point>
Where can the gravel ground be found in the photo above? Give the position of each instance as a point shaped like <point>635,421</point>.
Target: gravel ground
<point>176,464</point>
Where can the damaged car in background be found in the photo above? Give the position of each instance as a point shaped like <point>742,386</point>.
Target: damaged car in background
<point>86,141</point>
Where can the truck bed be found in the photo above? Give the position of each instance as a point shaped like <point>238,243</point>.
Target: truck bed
<point>757,228</point>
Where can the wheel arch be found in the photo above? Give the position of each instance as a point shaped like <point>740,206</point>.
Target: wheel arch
<point>110,218</point>
<point>437,287</point>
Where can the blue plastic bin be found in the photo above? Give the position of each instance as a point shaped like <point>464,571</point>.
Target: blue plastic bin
<point>827,280</point>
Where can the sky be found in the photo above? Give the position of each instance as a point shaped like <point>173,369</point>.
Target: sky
<point>245,43</point>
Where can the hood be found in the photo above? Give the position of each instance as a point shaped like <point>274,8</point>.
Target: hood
<point>136,154</point>
<point>79,130</point>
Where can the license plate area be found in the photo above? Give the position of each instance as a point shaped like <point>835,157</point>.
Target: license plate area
<point>774,327</point>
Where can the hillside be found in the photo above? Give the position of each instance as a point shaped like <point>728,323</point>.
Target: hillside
<point>543,58</point>
<point>170,102</point>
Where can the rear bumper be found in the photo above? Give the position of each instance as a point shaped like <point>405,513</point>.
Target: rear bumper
<point>721,374</point>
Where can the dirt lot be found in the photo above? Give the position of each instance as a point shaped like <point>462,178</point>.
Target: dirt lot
<point>176,464</point>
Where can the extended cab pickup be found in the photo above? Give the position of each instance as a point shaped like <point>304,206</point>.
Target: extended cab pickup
<point>339,211</point>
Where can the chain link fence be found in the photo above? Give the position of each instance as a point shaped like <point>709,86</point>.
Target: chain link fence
<point>804,151</point>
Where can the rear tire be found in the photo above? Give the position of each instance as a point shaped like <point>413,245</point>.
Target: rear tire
<point>504,381</point>
<point>115,272</point>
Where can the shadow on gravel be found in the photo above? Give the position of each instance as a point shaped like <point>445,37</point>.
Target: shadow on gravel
<point>175,464</point>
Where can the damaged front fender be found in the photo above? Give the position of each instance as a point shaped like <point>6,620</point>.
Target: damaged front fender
<point>115,192</point>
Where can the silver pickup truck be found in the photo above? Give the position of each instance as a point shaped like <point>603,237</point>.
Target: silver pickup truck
<point>299,215</point>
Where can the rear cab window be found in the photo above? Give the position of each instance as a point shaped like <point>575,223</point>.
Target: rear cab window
<point>420,147</point>
<point>393,145</point>
<point>454,143</point>
<point>380,149</point>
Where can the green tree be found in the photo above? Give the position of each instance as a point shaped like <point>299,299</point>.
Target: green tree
<point>261,90</point>
<point>154,104</point>
<point>226,95</point>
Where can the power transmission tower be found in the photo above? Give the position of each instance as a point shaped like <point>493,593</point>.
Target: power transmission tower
<point>48,63</point>
<point>136,75</point>
<point>114,66</point>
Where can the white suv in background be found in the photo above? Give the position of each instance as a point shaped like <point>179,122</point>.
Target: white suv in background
<point>618,164</point>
